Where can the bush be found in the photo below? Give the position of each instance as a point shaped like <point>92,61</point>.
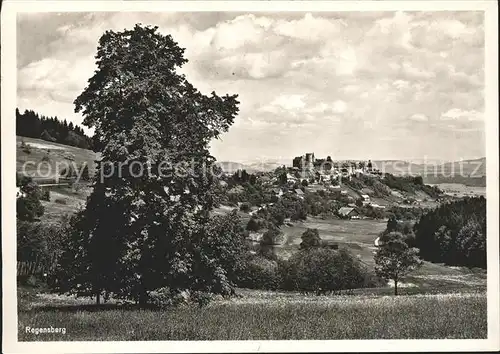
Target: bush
<point>258,272</point>
<point>323,270</point>
<point>41,242</point>
<point>29,208</point>
<point>166,297</point>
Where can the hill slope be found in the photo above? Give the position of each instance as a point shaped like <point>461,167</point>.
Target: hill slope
<point>42,159</point>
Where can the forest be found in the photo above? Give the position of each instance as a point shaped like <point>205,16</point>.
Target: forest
<point>454,233</point>
<point>33,125</point>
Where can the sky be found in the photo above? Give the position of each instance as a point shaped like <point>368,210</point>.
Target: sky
<point>351,85</point>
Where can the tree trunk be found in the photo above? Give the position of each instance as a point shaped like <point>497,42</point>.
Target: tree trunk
<point>395,286</point>
<point>98,298</point>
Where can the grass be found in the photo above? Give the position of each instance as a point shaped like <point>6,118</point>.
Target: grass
<point>44,154</point>
<point>267,316</point>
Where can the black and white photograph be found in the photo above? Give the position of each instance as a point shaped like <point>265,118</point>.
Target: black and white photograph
<point>272,176</point>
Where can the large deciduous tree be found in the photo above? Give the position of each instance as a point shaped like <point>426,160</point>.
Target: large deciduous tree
<point>146,222</point>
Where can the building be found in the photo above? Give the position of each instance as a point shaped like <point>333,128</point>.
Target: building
<point>299,192</point>
<point>277,192</point>
<point>297,162</point>
<point>305,161</point>
<point>348,213</point>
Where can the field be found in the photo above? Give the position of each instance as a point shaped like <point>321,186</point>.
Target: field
<point>44,156</point>
<point>262,316</point>
<point>461,190</point>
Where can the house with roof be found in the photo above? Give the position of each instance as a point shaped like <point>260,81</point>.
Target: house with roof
<point>348,213</point>
<point>299,192</point>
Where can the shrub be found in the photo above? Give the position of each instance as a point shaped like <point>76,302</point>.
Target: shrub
<point>41,242</point>
<point>258,272</point>
<point>29,208</point>
<point>166,297</point>
<point>323,270</point>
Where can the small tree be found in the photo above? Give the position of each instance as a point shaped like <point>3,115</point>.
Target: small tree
<point>392,224</point>
<point>283,179</point>
<point>310,239</point>
<point>28,207</point>
<point>85,175</point>
<point>394,259</point>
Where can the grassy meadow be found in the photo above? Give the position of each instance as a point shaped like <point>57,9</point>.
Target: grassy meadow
<point>262,316</point>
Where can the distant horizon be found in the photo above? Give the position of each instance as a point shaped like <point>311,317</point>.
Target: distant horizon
<point>414,161</point>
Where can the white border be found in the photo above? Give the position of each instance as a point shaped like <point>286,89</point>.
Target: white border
<point>9,88</point>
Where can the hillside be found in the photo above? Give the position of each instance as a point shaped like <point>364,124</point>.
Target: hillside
<point>41,158</point>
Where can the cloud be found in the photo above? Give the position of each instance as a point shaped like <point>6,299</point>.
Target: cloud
<point>314,81</point>
<point>418,117</point>
<point>461,115</point>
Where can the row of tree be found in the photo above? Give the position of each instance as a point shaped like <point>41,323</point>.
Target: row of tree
<point>34,125</point>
